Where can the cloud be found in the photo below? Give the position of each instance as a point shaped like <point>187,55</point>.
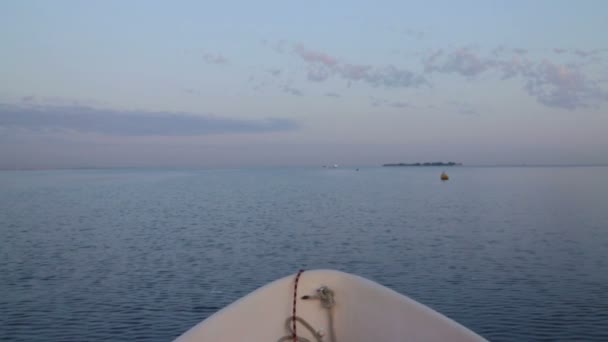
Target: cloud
<point>468,112</point>
<point>393,77</point>
<point>191,91</point>
<point>429,62</point>
<point>278,47</point>
<point>552,84</point>
<point>317,74</point>
<point>354,72</point>
<point>520,51</point>
<point>498,51</point>
<point>557,85</point>
<point>462,108</point>
<point>321,66</point>
<point>376,102</point>
<point>312,56</point>
<point>416,34</point>
<point>292,91</point>
<point>463,61</point>
<point>213,58</point>
<point>408,32</point>
<point>130,123</point>
<point>399,104</point>
<point>412,33</point>
<point>331,94</point>
<point>515,66</point>
<point>585,53</point>
<point>29,98</point>
<point>275,72</point>
<point>579,52</point>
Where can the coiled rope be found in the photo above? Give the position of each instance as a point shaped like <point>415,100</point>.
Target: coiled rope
<point>326,296</point>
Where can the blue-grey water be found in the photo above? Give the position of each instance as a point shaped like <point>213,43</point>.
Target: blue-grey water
<point>516,254</point>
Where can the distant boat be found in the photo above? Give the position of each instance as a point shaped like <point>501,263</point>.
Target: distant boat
<point>444,176</point>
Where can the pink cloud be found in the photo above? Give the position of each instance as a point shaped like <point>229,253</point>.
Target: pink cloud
<point>558,85</point>
<point>315,56</point>
<point>552,84</point>
<point>323,65</point>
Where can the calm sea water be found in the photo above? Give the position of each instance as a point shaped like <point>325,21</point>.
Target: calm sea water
<point>515,254</point>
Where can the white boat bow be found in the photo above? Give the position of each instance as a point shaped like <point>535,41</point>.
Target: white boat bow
<point>362,311</point>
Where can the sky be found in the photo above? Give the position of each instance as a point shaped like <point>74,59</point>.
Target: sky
<point>283,83</point>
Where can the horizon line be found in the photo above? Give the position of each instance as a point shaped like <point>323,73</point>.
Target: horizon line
<point>75,168</point>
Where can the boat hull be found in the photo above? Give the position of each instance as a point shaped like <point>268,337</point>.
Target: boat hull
<point>363,311</point>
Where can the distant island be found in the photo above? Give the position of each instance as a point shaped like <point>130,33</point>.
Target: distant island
<point>426,164</point>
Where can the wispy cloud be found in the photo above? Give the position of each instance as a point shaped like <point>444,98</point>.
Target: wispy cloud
<point>393,77</point>
<point>416,34</point>
<point>293,91</point>
<point>557,85</point>
<point>461,107</point>
<point>377,102</point>
<point>214,58</point>
<point>399,104</point>
<point>408,32</point>
<point>582,53</point>
<point>190,91</point>
<point>28,99</point>
<point>520,51</point>
<point>322,66</point>
<point>313,56</point>
<point>130,123</point>
<point>278,46</point>
<point>463,61</point>
<point>585,53</point>
<point>552,84</point>
<point>317,74</point>
<point>332,94</point>
<point>274,72</point>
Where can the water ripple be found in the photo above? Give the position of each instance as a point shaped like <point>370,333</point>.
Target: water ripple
<point>514,254</point>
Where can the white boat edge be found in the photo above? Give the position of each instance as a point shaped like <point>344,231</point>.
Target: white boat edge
<point>364,311</point>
